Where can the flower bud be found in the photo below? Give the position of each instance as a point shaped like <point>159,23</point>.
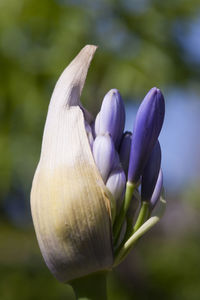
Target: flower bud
<point>124,150</point>
<point>150,173</point>
<point>104,154</point>
<point>112,116</point>
<point>116,183</point>
<point>157,190</point>
<point>149,120</point>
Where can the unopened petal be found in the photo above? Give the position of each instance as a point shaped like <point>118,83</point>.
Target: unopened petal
<point>147,127</point>
<point>104,154</point>
<point>112,116</point>
<point>116,184</point>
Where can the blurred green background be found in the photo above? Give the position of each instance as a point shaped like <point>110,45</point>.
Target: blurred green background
<point>142,43</point>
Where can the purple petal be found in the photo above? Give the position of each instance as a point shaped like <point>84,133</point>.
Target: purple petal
<point>124,150</point>
<point>116,183</point>
<point>112,116</point>
<point>157,190</point>
<point>148,124</point>
<point>150,173</point>
<point>104,154</point>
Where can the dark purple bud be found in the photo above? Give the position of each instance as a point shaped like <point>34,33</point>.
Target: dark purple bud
<point>116,183</point>
<point>150,173</point>
<point>104,154</point>
<point>157,190</point>
<point>148,124</point>
<point>112,116</point>
<point>124,150</point>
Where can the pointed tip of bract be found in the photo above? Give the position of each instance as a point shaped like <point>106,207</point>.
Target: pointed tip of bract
<point>85,55</point>
<point>69,86</point>
<point>90,48</point>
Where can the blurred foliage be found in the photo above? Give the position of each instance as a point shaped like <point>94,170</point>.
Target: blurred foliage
<point>142,43</point>
<point>139,47</point>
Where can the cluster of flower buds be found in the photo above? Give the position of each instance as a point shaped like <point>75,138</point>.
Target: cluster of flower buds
<point>126,160</point>
<point>96,187</point>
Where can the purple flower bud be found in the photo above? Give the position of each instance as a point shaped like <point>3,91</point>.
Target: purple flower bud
<point>112,116</point>
<point>157,190</point>
<point>148,124</point>
<point>124,150</point>
<point>116,183</point>
<point>150,173</point>
<point>104,154</point>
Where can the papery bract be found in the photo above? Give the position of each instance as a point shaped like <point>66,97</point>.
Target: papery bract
<point>69,202</point>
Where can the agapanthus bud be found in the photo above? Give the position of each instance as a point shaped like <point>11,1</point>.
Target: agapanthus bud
<point>134,205</point>
<point>157,190</point>
<point>150,173</point>
<point>104,154</point>
<point>116,183</point>
<point>148,124</point>
<point>112,116</point>
<point>124,150</point>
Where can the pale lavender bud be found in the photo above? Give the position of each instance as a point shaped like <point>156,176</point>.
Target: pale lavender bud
<point>157,190</point>
<point>124,150</point>
<point>148,124</point>
<point>104,154</point>
<point>89,134</point>
<point>112,116</point>
<point>150,173</point>
<point>116,183</point>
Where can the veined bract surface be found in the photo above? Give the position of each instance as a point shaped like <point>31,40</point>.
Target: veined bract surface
<point>69,200</point>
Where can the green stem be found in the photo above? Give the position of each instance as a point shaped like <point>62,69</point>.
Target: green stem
<point>143,215</point>
<point>123,252</point>
<point>91,287</point>
<point>130,187</point>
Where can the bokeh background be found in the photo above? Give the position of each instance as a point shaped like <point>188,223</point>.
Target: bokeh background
<point>142,43</point>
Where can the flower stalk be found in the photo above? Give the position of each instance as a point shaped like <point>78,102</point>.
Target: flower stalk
<point>85,288</point>
<point>130,187</point>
